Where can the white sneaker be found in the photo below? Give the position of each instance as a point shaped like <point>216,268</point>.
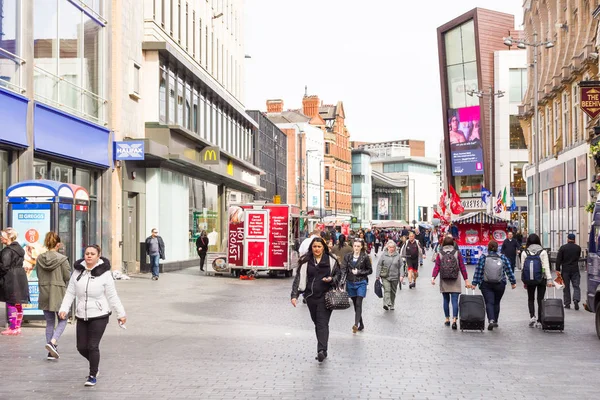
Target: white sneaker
<point>532,322</point>
<point>538,325</point>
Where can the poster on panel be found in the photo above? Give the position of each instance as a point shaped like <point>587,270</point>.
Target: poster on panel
<point>382,206</point>
<point>465,136</point>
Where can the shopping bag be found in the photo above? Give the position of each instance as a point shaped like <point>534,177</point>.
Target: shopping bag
<point>378,288</point>
<point>559,283</point>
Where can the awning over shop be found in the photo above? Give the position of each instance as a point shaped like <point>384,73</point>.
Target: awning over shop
<point>479,217</point>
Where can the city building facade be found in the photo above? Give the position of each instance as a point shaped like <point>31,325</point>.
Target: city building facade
<point>395,148</point>
<point>54,86</point>
<point>362,199</point>
<point>270,155</point>
<point>560,137</point>
<point>181,69</point>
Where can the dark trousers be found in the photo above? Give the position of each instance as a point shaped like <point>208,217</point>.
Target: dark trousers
<point>202,260</point>
<point>320,316</point>
<point>513,262</point>
<point>89,334</point>
<point>492,294</point>
<point>377,247</point>
<point>571,277</point>
<point>541,291</point>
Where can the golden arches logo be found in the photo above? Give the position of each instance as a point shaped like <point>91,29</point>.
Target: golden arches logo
<point>210,155</point>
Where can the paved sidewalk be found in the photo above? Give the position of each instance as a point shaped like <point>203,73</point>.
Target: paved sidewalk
<point>200,337</point>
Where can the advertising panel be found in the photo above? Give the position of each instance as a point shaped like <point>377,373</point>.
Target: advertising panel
<point>235,249</point>
<point>32,222</point>
<point>257,223</point>
<point>256,251</point>
<point>278,236</point>
<point>480,234</point>
<point>465,135</point>
<point>382,206</point>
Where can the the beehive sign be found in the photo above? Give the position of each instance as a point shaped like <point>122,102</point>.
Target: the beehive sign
<point>590,98</point>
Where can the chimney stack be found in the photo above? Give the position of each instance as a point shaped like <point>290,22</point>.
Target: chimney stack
<point>310,106</point>
<point>275,106</point>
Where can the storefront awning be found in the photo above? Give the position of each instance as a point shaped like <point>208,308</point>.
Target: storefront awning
<point>479,217</point>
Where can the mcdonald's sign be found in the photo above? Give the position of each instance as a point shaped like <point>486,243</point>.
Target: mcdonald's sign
<point>210,155</point>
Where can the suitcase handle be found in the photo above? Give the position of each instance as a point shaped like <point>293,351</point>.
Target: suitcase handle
<point>554,296</point>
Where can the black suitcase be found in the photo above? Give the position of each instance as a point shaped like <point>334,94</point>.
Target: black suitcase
<point>471,312</point>
<point>552,314</point>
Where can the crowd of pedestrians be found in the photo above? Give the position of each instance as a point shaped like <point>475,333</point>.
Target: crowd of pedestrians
<point>331,263</point>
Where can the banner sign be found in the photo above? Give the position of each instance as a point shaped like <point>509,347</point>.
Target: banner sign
<point>32,222</point>
<point>480,234</point>
<point>236,236</point>
<point>590,100</point>
<point>257,223</point>
<point>278,236</point>
<point>464,134</point>
<point>129,151</point>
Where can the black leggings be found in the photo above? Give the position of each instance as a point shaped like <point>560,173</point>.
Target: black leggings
<point>357,301</point>
<point>541,292</point>
<point>89,334</point>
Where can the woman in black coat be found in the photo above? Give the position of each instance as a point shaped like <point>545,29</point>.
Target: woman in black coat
<point>317,273</point>
<point>202,248</point>
<point>14,288</point>
<point>356,267</point>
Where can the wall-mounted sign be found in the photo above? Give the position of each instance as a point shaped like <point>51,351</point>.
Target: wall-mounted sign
<point>129,151</point>
<point>590,98</point>
<point>210,155</point>
<point>473,204</point>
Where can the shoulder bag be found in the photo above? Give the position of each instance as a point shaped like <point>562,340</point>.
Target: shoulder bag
<point>337,299</point>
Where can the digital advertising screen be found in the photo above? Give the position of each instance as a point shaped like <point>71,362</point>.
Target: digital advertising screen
<point>465,137</point>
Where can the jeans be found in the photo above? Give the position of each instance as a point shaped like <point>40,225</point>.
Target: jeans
<point>492,294</point>
<point>389,291</point>
<point>513,263</point>
<point>320,316</point>
<point>89,334</point>
<point>571,277</point>
<point>53,332</point>
<point>541,291</point>
<point>154,260</point>
<point>447,297</point>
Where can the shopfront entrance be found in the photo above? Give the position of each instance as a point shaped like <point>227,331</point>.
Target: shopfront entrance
<point>131,241</point>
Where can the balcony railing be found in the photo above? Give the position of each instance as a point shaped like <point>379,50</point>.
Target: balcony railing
<point>10,74</point>
<point>63,94</point>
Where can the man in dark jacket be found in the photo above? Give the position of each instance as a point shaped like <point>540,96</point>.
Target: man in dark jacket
<point>510,248</point>
<point>568,258</point>
<point>155,248</point>
<point>202,244</point>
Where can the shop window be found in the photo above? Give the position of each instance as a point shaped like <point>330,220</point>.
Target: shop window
<point>517,182</point>
<point>517,139</point>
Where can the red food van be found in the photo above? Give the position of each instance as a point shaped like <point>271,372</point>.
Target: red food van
<point>261,237</point>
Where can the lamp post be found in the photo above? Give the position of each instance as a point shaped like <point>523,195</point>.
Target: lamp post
<point>523,44</point>
<point>321,163</point>
<point>276,185</point>
<point>308,151</point>
<point>492,96</point>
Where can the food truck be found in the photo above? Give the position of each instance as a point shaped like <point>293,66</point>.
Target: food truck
<point>261,237</point>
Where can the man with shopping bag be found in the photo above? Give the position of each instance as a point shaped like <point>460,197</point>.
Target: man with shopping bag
<point>567,267</point>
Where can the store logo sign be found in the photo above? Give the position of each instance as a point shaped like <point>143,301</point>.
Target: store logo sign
<point>210,155</point>
<point>129,151</point>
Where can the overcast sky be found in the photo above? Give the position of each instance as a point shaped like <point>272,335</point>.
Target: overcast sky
<point>379,57</point>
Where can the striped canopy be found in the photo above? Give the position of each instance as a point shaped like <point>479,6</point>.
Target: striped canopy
<point>479,217</point>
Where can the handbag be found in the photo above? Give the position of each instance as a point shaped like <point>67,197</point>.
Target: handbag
<point>378,288</point>
<point>337,299</point>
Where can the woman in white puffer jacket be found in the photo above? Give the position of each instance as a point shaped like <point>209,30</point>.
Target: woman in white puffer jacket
<point>93,285</point>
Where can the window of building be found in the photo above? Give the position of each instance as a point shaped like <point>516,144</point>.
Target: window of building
<point>327,148</point>
<point>575,113</point>
<point>187,27</point>
<point>517,84</point>
<point>517,139</point>
<point>179,24</point>
<point>326,173</point>
<point>327,201</point>
<point>517,181</point>
<point>199,40</point>
<point>549,135</point>
<point>561,197</point>
<point>571,195</point>
<point>566,137</point>
<point>461,65</point>
<point>468,186</point>
<point>10,62</point>
<point>135,79</point>
<point>586,118</point>
<point>557,138</point>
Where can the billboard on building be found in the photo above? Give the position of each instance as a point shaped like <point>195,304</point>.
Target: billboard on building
<point>382,206</point>
<point>465,136</point>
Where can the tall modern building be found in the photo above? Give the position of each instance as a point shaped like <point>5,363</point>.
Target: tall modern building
<point>178,88</point>
<point>362,201</point>
<point>54,91</point>
<point>466,48</point>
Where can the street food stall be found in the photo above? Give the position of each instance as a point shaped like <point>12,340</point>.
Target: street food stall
<point>475,230</point>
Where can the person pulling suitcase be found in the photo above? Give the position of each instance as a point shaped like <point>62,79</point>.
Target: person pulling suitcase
<point>536,276</point>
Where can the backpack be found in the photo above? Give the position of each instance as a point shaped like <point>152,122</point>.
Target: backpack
<point>412,250</point>
<point>493,269</point>
<point>448,265</point>
<point>532,269</point>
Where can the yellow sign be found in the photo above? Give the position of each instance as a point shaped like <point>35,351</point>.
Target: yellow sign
<point>277,199</point>
<point>230,167</point>
<point>210,155</point>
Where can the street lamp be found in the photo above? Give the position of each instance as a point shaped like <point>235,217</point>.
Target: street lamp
<point>308,151</point>
<point>522,44</point>
<point>276,185</point>
<point>492,96</point>
<point>593,192</point>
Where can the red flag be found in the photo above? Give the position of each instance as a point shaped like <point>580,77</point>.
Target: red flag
<point>455,204</point>
<point>436,215</point>
<point>443,202</point>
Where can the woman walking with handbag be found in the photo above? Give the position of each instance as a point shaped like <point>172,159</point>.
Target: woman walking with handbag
<point>356,267</point>
<point>14,289</point>
<point>318,272</point>
<point>391,272</point>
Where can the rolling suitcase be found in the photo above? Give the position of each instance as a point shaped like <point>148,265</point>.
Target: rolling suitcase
<point>471,311</point>
<point>552,315</point>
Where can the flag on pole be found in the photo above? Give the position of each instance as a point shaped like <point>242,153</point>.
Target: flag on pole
<point>455,205</point>
<point>513,202</point>
<point>504,200</point>
<point>485,195</point>
<point>499,205</point>
<point>442,203</point>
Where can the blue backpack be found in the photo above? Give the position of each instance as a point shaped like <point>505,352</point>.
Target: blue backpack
<point>533,273</point>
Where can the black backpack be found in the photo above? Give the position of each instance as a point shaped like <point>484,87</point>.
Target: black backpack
<point>448,265</point>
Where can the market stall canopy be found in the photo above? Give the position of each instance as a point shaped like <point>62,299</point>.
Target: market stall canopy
<point>479,217</point>
<point>392,224</point>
